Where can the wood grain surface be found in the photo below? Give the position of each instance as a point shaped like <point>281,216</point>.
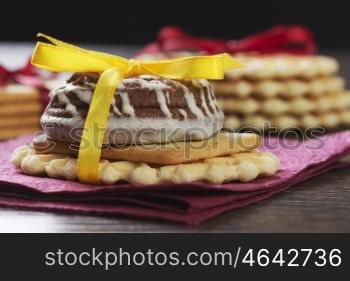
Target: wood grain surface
<point>321,204</point>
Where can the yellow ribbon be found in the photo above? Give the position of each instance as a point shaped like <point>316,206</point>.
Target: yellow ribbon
<point>64,57</point>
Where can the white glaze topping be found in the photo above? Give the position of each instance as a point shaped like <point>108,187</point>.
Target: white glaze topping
<point>208,122</point>
<point>167,97</point>
<point>115,108</point>
<point>183,113</point>
<point>162,101</point>
<point>18,88</point>
<point>83,93</point>
<point>127,107</point>
<point>137,130</point>
<point>159,86</point>
<point>190,100</point>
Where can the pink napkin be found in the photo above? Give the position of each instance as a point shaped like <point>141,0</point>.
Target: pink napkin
<point>187,203</point>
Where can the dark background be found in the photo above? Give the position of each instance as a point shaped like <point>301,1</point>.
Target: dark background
<point>136,22</point>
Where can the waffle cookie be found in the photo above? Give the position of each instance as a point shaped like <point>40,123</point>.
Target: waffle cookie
<point>14,93</point>
<point>244,166</point>
<point>284,91</point>
<point>20,110</point>
<point>18,121</point>
<point>279,106</point>
<point>283,67</point>
<point>20,107</point>
<point>269,88</point>
<point>8,133</point>
<point>329,120</point>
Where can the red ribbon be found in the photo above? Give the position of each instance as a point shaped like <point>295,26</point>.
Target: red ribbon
<point>27,75</point>
<point>279,39</point>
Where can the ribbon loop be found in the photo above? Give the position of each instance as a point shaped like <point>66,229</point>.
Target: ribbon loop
<point>62,56</point>
<point>134,67</point>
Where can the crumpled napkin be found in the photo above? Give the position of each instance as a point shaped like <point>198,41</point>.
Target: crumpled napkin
<point>187,203</point>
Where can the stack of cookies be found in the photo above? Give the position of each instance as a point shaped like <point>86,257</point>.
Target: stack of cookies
<point>159,130</point>
<point>20,110</point>
<point>284,91</point>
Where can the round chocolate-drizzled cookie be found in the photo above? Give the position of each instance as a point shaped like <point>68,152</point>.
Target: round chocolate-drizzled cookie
<point>145,109</point>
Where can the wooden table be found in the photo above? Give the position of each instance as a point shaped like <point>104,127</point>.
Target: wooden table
<point>321,204</point>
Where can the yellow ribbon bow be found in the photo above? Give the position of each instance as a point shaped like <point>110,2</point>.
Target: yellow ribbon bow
<point>63,57</point>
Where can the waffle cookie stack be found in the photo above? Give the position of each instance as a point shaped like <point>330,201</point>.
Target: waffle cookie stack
<point>20,110</point>
<point>284,91</point>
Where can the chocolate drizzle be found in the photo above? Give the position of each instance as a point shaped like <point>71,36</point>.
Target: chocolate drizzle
<point>137,98</point>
